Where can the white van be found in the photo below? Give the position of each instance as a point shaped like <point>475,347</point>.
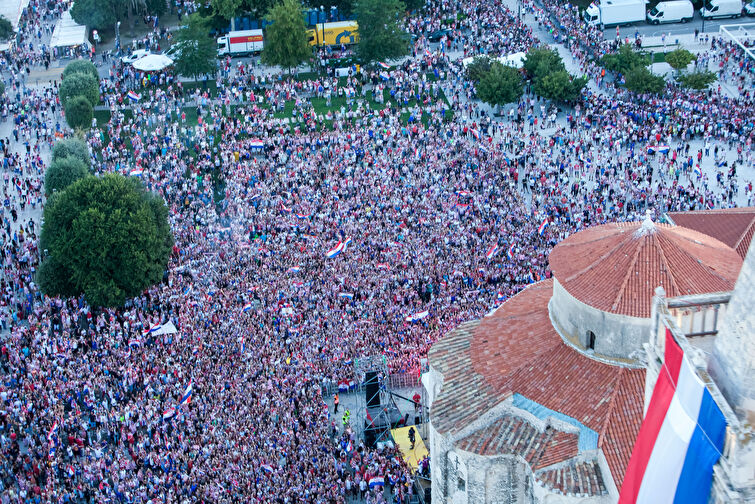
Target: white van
<point>721,9</point>
<point>674,11</point>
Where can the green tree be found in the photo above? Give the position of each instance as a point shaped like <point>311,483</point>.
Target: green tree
<point>625,59</point>
<point>79,113</point>
<point>501,85</point>
<point>79,84</point>
<point>286,38</point>
<point>71,147</point>
<point>198,53</point>
<point>540,61</point>
<point>2,88</point>
<point>63,172</point>
<point>679,59</point>
<point>697,80</point>
<point>156,7</point>
<point>381,36</point>
<point>641,80</point>
<point>98,13</point>
<point>6,28</point>
<point>228,9</point>
<point>478,68</point>
<point>81,66</point>
<point>559,86</point>
<point>414,5</point>
<point>107,238</point>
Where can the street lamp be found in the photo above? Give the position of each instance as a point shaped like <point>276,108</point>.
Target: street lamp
<point>322,24</point>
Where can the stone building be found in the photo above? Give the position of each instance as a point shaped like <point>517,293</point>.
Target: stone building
<point>541,400</point>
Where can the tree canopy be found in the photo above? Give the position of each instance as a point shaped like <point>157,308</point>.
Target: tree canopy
<point>198,53</point>
<point>640,80</point>
<point>98,13</point>
<point>79,84</point>
<point>540,61</point>
<point>501,85</point>
<point>381,36</point>
<point>479,67</point>
<point>228,9</point>
<point>6,28</point>
<point>106,238</point>
<point>679,58</point>
<point>286,38</point>
<point>79,113</point>
<point>625,59</point>
<point>63,172</point>
<point>559,86</point>
<point>71,147</point>
<point>81,66</point>
<point>697,80</point>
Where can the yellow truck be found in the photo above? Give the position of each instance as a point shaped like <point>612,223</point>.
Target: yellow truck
<point>334,34</point>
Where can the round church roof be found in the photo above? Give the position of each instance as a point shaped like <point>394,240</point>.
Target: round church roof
<point>616,267</point>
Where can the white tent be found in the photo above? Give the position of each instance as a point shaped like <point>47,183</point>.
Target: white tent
<point>152,63</point>
<point>516,60</point>
<point>12,9</point>
<point>68,33</point>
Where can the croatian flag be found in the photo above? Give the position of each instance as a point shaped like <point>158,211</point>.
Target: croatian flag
<point>510,251</point>
<point>543,225</point>
<point>294,269</point>
<point>136,172</point>
<point>681,438</point>
<point>346,295</point>
<point>346,243</point>
<point>133,96</point>
<point>698,171</point>
<point>384,76</point>
<point>652,149</point>
<point>70,471</point>
<point>475,133</point>
<point>303,216</point>
<point>247,307</point>
<point>256,144</point>
<point>383,266</point>
<point>152,329</point>
<point>134,342</point>
<point>417,316</point>
<point>492,251</point>
<point>377,481</point>
<point>384,66</point>
<point>169,413</point>
<point>267,468</point>
<point>186,398</point>
<point>663,149</point>
<point>343,386</point>
<point>501,297</point>
<point>53,432</point>
<point>330,254</point>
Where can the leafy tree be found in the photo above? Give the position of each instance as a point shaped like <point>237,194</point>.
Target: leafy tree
<point>6,28</point>
<point>540,61</point>
<point>560,86</point>
<point>79,113</point>
<point>79,84</point>
<point>501,85</point>
<point>680,58</point>
<point>478,68</point>
<point>625,59</point>
<point>229,9</point>
<point>98,13</point>
<point>107,238</point>
<point>381,36</point>
<point>71,147</point>
<point>641,80</point>
<point>286,38</point>
<point>198,53</point>
<point>81,66</point>
<point>63,172</point>
<point>414,5</point>
<point>156,7</point>
<point>697,80</point>
<point>2,88</point>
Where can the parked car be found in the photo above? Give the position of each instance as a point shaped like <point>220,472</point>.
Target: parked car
<point>749,8</point>
<point>134,56</point>
<point>437,35</point>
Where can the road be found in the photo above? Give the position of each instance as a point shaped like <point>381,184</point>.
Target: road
<point>646,30</point>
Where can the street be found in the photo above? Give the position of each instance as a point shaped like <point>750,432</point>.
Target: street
<point>646,30</point>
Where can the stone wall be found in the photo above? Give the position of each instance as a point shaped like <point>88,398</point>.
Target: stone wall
<point>616,336</point>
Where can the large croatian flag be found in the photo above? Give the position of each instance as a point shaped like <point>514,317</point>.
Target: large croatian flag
<point>680,440</point>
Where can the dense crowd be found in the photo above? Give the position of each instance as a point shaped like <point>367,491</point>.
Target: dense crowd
<point>306,240</point>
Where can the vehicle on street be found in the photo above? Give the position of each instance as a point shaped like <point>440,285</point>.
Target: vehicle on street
<point>437,35</point>
<point>134,56</point>
<point>674,11</point>
<point>334,34</point>
<point>240,43</point>
<point>615,12</point>
<point>721,9</point>
<point>749,9</point>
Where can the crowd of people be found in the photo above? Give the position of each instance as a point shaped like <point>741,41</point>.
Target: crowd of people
<point>307,240</point>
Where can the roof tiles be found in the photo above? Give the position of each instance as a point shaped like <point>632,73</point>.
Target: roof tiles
<point>732,226</point>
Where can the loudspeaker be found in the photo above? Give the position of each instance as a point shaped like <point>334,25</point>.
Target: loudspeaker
<point>372,389</point>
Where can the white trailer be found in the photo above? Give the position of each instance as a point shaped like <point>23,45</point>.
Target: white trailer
<point>237,43</point>
<point>615,12</point>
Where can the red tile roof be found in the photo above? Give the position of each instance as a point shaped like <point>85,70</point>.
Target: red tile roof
<point>582,478</point>
<point>516,350</point>
<point>616,267</point>
<point>732,226</point>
